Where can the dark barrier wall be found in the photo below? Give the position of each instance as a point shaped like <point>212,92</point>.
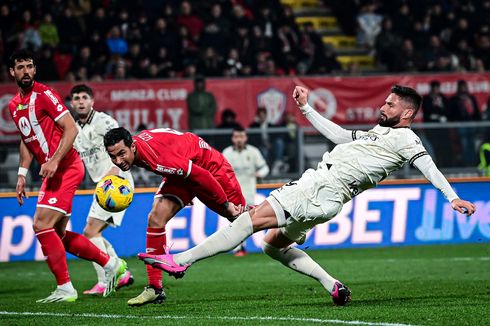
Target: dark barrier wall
<point>390,215</point>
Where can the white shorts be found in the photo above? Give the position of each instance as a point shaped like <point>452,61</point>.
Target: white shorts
<point>112,219</point>
<point>309,201</point>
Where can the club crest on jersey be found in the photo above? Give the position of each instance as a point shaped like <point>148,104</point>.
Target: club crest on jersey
<point>166,169</point>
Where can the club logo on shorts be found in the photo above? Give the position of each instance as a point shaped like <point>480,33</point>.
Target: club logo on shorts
<point>52,200</point>
<point>40,196</point>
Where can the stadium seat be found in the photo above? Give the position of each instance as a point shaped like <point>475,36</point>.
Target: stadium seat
<point>363,61</point>
<point>319,23</point>
<point>340,41</point>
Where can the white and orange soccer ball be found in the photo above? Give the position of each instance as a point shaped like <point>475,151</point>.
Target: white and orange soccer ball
<point>114,193</point>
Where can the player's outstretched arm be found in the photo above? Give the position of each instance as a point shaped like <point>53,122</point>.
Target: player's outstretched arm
<point>426,165</point>
<point>327,128</point>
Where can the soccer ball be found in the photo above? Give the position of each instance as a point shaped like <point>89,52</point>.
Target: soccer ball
<point>114,193</point>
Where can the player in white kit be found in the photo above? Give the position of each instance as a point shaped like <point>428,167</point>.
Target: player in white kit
<point>248,164</point>
<point>92,126</point>
<point>359,161</point>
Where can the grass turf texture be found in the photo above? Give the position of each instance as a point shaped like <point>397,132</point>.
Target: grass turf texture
<point>429,285</point>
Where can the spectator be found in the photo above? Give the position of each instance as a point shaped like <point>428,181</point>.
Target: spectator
<point>191,22</point>
<point>116,43</point>
<point>201,106</point>
<point>387,44</point>
<point>228,120</point>
<point>435,104</point>
<point>369,26</point>
<point>463,107</point>
<point>48,31</point>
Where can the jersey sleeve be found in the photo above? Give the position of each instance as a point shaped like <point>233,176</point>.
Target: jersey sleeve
<point>411,147</point>
<point>208,189</point>
<point>53,104</point>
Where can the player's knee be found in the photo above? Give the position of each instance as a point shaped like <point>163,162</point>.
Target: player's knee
<point>271,251</point>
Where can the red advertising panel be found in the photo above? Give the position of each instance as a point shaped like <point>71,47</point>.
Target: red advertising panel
<point>345,100</point>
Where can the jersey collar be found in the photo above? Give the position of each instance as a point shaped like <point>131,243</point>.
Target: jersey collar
<point>89,120</point>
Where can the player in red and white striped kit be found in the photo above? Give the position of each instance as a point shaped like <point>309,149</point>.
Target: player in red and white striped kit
<point>47,133</point>
<point>190,168</point>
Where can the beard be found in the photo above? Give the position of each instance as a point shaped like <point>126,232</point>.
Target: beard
<point>25,84</point>
<point>384,121</point>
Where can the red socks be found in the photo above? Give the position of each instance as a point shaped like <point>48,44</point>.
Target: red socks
<point>155,241</point>
<point>78,245</point>
<point>54,251</point>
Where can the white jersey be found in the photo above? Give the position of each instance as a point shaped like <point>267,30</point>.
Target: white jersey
<point>90,143</point>
<point>370,157</point>
<point>246,163</point>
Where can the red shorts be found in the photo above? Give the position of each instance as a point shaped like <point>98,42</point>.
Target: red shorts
<point>183,192</point>
<point>58,191</point>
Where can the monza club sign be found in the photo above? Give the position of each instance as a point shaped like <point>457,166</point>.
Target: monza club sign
<point>162,103</point>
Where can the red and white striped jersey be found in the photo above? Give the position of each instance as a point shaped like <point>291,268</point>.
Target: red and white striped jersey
<point>35,116</point>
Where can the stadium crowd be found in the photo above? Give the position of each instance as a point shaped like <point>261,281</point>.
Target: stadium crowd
<point>92,40</point>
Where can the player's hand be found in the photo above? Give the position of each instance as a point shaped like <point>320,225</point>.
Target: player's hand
<point>463,206</point>
<point>232,211</point>
<point>48,169</point>
<point>20,191</point>
<point>300,95</point>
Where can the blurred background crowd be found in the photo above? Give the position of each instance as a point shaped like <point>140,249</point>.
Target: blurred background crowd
<point>93,40</point>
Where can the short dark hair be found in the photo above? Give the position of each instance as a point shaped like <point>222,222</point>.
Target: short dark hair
<point>409,95</point>
<point>115,135</point>
<point>82,88</point>
<point>238,129</point>
<point>21,55</point>
<point>435,83</point>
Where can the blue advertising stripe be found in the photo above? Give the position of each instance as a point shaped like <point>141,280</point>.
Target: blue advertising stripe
<point>390,215</point>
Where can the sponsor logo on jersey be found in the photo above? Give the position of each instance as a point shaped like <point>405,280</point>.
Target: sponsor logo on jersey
<point>21,107</point>
<point>53,200</point>
<point>51,97</point>
<point>166,169</point>
<point>30,139</point>
<point>370,137</point>
<point>24,126</point>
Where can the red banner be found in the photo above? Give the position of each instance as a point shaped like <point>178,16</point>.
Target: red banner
<point>345,100</point>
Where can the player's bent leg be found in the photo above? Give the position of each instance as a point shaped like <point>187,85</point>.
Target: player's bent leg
<point>150,294</point>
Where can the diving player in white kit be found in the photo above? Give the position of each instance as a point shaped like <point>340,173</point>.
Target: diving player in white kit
<point>92,126</point>
<point>360,161</point>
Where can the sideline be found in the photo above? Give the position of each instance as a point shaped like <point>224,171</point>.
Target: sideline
<point>265,318</point>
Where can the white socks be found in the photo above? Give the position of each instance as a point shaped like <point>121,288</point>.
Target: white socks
<point>223,240</point>
<point>299,261</point>
<point>68,287</point>
<point>106,247</point>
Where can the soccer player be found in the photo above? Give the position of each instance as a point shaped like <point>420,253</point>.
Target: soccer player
<point>92,126</point>
<point>190,168</point>
<point>359,161</point>
<point>47,133</point>
<point>248,164</point>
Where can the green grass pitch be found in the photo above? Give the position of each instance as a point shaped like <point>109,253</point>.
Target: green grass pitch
<point>427,285</point>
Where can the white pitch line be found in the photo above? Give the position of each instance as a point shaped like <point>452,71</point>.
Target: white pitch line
<point>266,318</point>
